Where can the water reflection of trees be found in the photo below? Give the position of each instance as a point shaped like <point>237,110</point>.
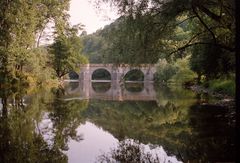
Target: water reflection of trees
<point>214,134</point>
<point>142,121</point>
<point>174,122</point>
<point>18,140</point>
<point>66,117</point>
<point>133,151</point>
<point>21,139</point>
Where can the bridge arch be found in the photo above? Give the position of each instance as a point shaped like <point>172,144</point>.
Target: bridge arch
<point>134,75</point>
<point>73,75</point>
<point>101,74</point>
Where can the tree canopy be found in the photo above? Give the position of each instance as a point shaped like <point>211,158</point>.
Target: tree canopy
<point>21,22</point>
<point>22,27</point>
<point>151,29</point>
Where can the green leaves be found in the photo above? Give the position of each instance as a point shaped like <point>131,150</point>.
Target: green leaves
<point>150,29</point>
<point>66,55</point>
<point>177,72</point>
<point>21,23</point>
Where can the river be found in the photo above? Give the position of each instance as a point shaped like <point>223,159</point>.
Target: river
<point>102,122</point>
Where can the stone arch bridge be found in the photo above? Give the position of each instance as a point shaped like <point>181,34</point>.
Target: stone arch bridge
<point>84,90</point>
<point>117,72</point>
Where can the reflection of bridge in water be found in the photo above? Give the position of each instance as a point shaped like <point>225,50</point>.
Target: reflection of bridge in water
<point>117,91</point>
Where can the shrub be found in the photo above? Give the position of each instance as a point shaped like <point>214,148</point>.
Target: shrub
<point>165,71</point>
<point>223,85</point>
<point>178,72</point>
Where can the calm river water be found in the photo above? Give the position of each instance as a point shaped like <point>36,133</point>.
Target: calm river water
<point>104,122</point>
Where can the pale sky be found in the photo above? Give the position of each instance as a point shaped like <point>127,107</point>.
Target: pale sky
<point>84,12</point>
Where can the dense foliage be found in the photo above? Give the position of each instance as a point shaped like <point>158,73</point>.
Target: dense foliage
<point>93,47</point>
<point>148,30</point>
<point>22,27</point>
<point>66,53</point>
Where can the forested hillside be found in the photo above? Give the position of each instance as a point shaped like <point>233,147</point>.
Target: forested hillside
<point>188,40</point>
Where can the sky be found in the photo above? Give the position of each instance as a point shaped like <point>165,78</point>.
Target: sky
<point>84,12</point>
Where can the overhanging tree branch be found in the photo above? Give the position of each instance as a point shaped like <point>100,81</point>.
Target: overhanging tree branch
<point>203,43</point>
<point>209,13</point>
<point>204,24</point>
<point>200,33</point>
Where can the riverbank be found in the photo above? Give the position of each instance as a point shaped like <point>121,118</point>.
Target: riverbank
<point>224,99</point>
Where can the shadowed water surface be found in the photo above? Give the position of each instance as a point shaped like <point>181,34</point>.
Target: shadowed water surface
<point>110,123</point>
